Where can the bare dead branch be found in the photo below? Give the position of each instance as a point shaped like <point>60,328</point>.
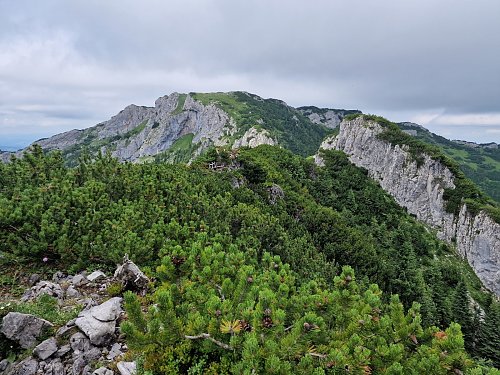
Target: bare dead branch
<point>318,355</point>
<point>207,336</point>
<point>219,289</point>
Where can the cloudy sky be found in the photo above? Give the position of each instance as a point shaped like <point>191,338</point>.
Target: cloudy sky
<point>71,64</point>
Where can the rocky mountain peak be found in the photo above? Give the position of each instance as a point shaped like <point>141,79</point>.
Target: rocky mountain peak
<point>180,126</point>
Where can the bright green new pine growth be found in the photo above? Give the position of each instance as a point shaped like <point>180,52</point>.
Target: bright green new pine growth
<point>224,312</point>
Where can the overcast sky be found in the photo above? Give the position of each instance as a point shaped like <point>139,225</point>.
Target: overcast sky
<point>71,64</point>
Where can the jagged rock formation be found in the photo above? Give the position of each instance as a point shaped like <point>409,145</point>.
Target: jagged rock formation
<point>479,162</point>
<point>331,118</point>
<point>491,145</point>
<point>420,188</point>
<point>138,132</point>
<point>254,137</point>
<point>23,328</point>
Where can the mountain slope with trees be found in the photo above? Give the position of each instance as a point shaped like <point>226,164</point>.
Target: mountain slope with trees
<point>183,224</point>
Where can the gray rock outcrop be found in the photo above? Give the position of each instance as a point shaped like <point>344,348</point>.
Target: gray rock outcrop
<point>99,322</point>
<point>331,118</point>
<point>43,287</point>
<point>139,132</point>
<point>96,276</point>
<point>127,368</point>
<point>420,189</point>
<point>103,371</point>
<point>131,277</point>
<point>46,348</point>
<point>254,137</point>
<point>29,366</point>
<point>80,344</point>
<point>25,329</point>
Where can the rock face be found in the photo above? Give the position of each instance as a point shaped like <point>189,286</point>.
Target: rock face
<point>331,118</point>
<point>420,189</point>
<point>131,277</point>
<point>126,368</point>
<point>29,366</point>
<point>140,132</point>
<point>46,348</point>
<point>254,137</point>
<point>99,323</point>
<point>23,328</point>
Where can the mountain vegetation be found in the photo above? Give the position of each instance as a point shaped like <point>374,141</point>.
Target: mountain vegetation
<point>262,262</point>
<point>181,126</point>
<point>287,125</point>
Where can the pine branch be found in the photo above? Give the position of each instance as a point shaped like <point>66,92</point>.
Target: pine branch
<point>208,337</point>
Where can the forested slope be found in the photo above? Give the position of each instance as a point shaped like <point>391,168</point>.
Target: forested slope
<point>193,229</point>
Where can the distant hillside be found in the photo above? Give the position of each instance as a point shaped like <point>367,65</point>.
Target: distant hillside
<point>181,126</point>
<point>481,163</point>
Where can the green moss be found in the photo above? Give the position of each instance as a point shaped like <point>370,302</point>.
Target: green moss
<point>183,143</point>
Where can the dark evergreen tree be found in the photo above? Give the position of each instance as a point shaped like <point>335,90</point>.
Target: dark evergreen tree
<point>462,314</point>
<point>488,343</point>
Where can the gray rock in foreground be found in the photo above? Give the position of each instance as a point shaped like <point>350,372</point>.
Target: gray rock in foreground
<point>127,368</point>
<point>131,276</point>
<point>96,276</point>
<point>46,348</point>
<point>102,371</point>
<point>99,322</point>
<point>25,329</point>
<point>29,366</point>
<point>43,287</point>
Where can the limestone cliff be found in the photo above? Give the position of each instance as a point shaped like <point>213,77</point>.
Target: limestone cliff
<point>420,188</point>
<point>254,137</point>
<point>328,117</point>
<point>137,132</point>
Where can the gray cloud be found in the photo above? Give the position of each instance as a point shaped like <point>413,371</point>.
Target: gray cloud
<point>73,64</point>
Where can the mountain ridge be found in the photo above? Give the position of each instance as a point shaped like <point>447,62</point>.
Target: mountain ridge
<point>219,119</point>
<point>422,183</point>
